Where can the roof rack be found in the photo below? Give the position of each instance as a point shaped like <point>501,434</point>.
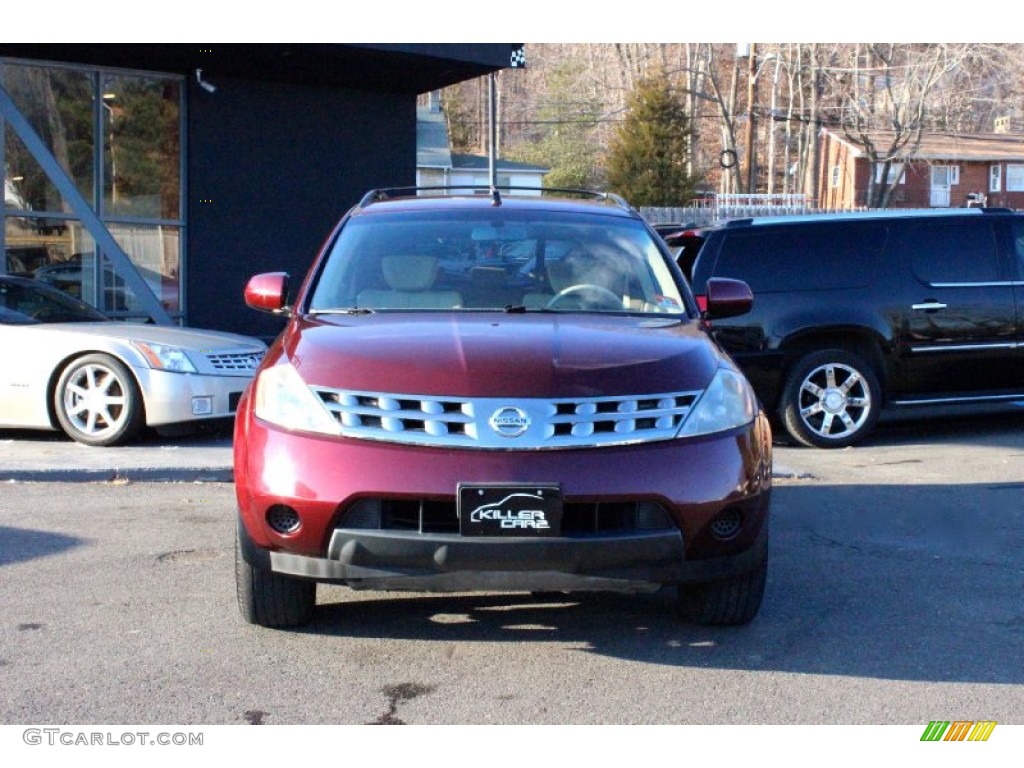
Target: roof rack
<point>387,193</point>
<point>873,214</point>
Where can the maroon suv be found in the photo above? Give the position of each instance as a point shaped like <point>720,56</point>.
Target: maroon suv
<point>488,392</point>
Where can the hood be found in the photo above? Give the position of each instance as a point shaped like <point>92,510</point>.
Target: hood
<point>185,338</point>
<point>514,355</point>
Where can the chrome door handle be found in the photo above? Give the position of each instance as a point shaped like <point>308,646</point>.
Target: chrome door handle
<point>929,305</point>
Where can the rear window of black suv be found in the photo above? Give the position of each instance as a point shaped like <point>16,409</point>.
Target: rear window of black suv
<point>794,258</point>
<point>955,252</point>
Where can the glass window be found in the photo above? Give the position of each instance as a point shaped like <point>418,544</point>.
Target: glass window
<point>803,257</point>
<point>58,104</point>
<point>896,175</point>
<point>141,156</point>
<point>118,137</point>
<point>1015,178</point>
<point>496,259</point>
<point>34,244</point>
<point>1017,232</point>
<point>951,252</point>
<point>155,251</point>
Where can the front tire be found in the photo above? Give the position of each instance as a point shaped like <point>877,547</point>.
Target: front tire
<point>268,599</point>
<point>98,402</point>
<point>727,602</point>
<point>831,399</point>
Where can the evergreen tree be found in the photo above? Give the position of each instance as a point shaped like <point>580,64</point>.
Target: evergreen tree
<point>562,139</point>
<point>646,161</point>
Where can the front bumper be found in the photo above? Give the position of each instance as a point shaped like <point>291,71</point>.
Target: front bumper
<point>695,481</point>
<point>444,563</point>
<point>172,398</point>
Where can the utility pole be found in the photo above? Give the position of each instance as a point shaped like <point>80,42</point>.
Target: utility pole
<point>492,120</point>
<point>751,133</point>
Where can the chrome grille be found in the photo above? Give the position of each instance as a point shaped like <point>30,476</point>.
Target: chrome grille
<point>510,424</point>
<point>235,361</point>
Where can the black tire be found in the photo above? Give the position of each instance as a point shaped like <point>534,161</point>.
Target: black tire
<point>97,401</point>
<point>831,399</point>
<point>731,601</point>
<point>270,600</point>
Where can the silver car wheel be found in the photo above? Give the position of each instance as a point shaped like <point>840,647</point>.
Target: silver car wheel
<point>835,401</point>
<point>831,398</point>
<point>98,402</point>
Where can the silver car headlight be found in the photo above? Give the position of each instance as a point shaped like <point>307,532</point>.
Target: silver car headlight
<point>164,357</point>
<point>283,398</point>
<point>727,403</point>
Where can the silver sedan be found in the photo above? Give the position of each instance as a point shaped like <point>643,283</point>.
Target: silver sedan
<point>67,366</point>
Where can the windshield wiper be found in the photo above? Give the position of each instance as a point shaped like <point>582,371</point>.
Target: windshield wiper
<point>343,311</point>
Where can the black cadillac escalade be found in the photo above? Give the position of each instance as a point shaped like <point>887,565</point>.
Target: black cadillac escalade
<point>856,312</point>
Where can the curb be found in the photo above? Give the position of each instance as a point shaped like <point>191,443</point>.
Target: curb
<point>118,476</point>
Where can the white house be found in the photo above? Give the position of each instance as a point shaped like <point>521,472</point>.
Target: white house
<point>437,166</point>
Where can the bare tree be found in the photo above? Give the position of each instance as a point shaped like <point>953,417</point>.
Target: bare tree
<point>883,95</point>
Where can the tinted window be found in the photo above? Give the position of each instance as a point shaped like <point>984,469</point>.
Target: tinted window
<point>1017,233</point>
<point>802,257</point>
<point>951,252</point>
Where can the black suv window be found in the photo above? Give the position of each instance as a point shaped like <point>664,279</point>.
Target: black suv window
<point>1017,233</point>
<point>801,257</point>
<point>951,252</point>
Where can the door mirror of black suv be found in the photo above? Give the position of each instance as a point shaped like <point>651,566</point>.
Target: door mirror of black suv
<point>727,298</point>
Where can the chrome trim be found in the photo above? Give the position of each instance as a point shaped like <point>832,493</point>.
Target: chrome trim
<point>992,284</point>
<point>967,347</point>
<point>458,422</point>
<point>1004,398</point>
<point>929,305</point>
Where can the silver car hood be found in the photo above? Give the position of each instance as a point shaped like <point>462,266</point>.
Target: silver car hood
<point>185,338</point>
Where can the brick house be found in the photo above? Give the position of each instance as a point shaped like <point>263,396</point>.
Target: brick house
<point>947,171</point>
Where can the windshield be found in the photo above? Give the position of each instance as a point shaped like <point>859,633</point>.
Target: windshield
<point>496,259</point>
<point>28,302</point>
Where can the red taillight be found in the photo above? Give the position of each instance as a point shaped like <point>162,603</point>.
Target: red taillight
<point>702,302</point>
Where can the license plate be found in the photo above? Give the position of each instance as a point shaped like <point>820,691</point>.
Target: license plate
<point>510,510</point>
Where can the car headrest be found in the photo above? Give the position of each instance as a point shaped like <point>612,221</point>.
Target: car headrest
<point>409,273</point>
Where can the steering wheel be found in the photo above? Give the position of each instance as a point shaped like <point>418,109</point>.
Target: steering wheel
<point>604,296</point>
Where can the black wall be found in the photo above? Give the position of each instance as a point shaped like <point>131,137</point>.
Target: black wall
<point>271,168</point>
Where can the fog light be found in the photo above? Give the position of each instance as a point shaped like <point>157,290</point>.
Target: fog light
<point>727,524</point>
<point>202,406</point>
<point>283,519</point>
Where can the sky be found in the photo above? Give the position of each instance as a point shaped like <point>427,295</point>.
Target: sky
<point>512,20</point>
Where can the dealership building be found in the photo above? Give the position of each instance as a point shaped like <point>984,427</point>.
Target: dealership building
<point>151,180</point>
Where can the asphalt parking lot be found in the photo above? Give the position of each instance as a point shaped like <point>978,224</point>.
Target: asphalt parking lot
<point>893,598</point>
<point>33,456</point>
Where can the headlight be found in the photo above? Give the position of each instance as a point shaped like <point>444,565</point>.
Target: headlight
<point>728,402</point>
<point>165,358</point>
<point>282,397</point>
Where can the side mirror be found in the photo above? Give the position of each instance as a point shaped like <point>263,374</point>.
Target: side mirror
<point>727,298</point>
<point>268,292</point>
